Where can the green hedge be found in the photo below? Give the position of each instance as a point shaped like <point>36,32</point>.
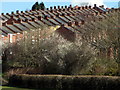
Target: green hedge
<point>61,82</point>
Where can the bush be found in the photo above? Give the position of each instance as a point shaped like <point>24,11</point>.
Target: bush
<point>62,82</point>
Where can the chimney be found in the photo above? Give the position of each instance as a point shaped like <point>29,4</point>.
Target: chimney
<point>57,14</point>
<point>86,7</point>
<point>39,18</point>
<point>51,11</point>
<point>21,11</point>
<point>97,13</point>
<point>58,7</point>
<point>17,16</point>
<point>95,5</point>
<point>70,6</point>
<point>26,20</point>
<point>82,22</point>
<point>62,7</point>
<point>52,16</point>
<point>46,17</point>
<point>55,7</point>
<point>33,19</point>
<point>83,7</point>
<point>11,16</point>
<point>26,11</point>
<point>63,14</point>
<point>4,24</point>
<point>17,11</point>
<point>65,6</point>
<point>47,8</point>
<point>12,12</point>
<point>79,8</point>
<point>19,20</point>
<point>70,23</point>
<point>2,13</point>
<point>7,14</point>
<point>30,11</point>
<point>77,23</point>
<point>68,14</point>
<point>51,8</point>
<point>102,6</point>
<point>89,7</point>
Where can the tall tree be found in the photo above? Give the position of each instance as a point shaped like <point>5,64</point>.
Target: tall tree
<point>38,6</point>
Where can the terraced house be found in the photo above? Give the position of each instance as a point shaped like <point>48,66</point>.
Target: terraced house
<point>69,19</point>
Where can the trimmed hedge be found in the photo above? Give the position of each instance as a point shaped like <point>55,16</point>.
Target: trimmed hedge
<point>68,82</point>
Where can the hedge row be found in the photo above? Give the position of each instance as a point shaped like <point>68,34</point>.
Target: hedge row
<point>61,82</point>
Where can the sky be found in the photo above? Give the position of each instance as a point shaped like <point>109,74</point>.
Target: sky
<point>7,6</point>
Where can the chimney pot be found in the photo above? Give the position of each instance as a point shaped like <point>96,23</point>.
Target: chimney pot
<point>70,6</point>
<point>68,14</point>
<point>61,6</point>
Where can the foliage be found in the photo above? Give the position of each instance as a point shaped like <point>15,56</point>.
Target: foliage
<point>38,6</point>
<point>62,82</point>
